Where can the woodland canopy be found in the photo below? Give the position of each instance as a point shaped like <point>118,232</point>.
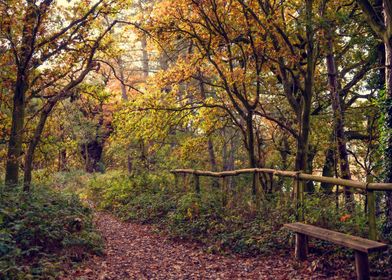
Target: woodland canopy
<point>104,98</point>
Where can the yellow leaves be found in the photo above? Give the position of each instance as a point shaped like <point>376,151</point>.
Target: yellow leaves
<point>191,149</point>
<point>209,119</point>
<point>184,69</point>
<point>193,211</point>
<point>149,117</point>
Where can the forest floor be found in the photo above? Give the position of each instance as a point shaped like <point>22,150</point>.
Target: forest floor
<point>135,251</point>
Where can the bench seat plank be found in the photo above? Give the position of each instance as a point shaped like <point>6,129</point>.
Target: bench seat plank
<point>353,242</point>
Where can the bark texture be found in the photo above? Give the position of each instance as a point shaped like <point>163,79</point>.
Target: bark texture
<point>338,115</point>
<point>31,22</point>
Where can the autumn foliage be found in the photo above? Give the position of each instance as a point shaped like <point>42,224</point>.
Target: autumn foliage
<point>122,92</point>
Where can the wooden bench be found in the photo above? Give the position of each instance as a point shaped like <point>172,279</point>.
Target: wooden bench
<point>361,246</point>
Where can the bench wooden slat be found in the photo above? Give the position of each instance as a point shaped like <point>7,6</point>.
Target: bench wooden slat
<point>353,242</point>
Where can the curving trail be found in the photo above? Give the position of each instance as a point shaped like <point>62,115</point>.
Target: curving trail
<point>134,251</point>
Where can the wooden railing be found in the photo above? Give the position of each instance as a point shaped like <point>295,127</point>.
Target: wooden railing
<point>299,178</point>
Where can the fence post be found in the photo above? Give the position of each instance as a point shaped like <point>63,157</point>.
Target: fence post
<point>271,177</point>
<point>175,181</point>
<point>254,185</point>
<point>296,196</point>
<point>197,183</point>
<point>302,200</point>
<point>371,209</point>
<point>372,215</point>
<point>224,191</point>
<point>184,181</point>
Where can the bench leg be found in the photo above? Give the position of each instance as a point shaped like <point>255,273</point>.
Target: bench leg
<point>301,246</point>
<point>362,265</point>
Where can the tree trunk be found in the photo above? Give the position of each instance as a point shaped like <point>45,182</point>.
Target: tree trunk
<point>16,137</point>
<point>214,166</point>
<point>303,139</point>
<point>63,160</point>
<point>124,94</point>
<point>384,32</point>
<point>228,156</point>
<point>129,165</point>
<point>21,86</point>
<point>261,153</point>
<point>309,167</point>
<point>251,142</point>
<point>210,143</point>
<point>338,114</point>
<point>301,161</point>
<point>124,97</point>
<point>251,149</point>
<point>388,127</point>
<point>143,41</point>
<point>387,130</point>
<point>146,71</point>
<point>33,145</point>
<point>328,169</point>
<point>304,116</point>
<point>92,153</point>
<point>146,66</point>
<point>284,151</point>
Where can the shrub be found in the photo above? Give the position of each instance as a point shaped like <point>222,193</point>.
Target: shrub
<point>148,198</point>
<point>238,226</point>
<point>123,194</point>
<point>37,228</point>
<point>241,230</point>
<point>321,209</point>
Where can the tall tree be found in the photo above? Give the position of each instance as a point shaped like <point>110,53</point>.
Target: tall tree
<point>338,111</point>
<point>381,23</point>
<point>295,66</point>
<point>76,77</point>
<point>38,45</point>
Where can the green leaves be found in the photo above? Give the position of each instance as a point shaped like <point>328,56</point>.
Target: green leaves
<point>37,228</point>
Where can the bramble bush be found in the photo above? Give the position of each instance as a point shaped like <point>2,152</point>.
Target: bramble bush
<point>42,232</point>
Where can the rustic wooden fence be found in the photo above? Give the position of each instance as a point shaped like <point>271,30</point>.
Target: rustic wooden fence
<point>299,179</point>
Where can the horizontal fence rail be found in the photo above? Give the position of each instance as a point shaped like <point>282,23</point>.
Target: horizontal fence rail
<point>291,174</point>
<point>299,178</point>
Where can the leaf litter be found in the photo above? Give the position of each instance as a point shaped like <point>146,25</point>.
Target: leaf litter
<point>136,251</point>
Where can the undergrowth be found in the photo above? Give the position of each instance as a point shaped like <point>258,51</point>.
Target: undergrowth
<point>223,224</point>
<point>230,224</point>
<point>43,232</point>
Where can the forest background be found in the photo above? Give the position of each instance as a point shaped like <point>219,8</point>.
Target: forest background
<point>104,98</point>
